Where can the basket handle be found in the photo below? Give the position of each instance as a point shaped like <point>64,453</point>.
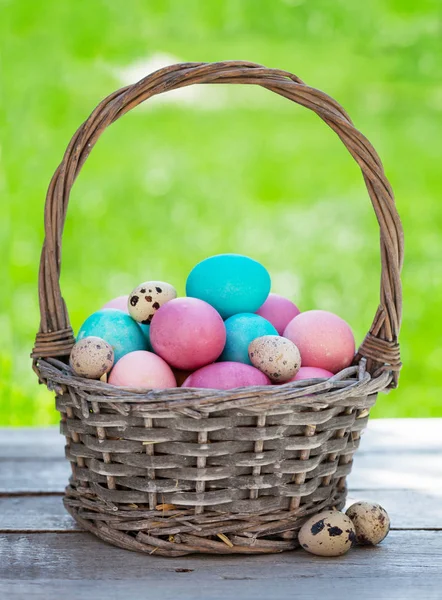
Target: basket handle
<point>380,346</point>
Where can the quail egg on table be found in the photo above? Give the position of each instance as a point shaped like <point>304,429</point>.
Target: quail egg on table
<point>371,522</point>
<point>147,298</point>
<point>329,533</point>
<point>92,357</point>
<point>275,356</point>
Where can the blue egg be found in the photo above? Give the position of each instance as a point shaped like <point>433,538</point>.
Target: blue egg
<point>241,330</point>
<point>231,283</point>
<point>117,328</point>
<point>145,328</point>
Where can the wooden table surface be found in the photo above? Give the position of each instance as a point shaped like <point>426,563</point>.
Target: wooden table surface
<point>43,554</point>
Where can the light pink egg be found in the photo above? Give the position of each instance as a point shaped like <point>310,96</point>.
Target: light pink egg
<point>188,333</point>
<point>311,373</point>
<point>143,370</point>
<point>119,303</point>
<point>226,376</point>
<point>324,340</point>
<point>279,311</point>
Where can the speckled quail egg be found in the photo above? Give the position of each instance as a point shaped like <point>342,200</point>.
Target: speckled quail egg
<point>91,357</point>
<point>371,522</point>
<point>275,356</point>
<point>329,533</point>
<point>147,298</point>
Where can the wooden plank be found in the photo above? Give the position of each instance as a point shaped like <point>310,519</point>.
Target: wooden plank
<point>398,435</point>
<point>398,456</point>
<point>28,442</point>
<point>187,586</point>
<point>33,475</point>
<point>402,435</point>
<point>389,471</point>
<point>78,565</point>
<point>370,471</point>
<point>35,513</point>
<point>407,510</point>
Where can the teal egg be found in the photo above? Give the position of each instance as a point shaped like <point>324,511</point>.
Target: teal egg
<point>231,283</point>
<point>242,329</point>
<point>145,328</point>
<point>117,328</point>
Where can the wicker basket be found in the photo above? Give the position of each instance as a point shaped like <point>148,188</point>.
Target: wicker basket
<point>181,471</point>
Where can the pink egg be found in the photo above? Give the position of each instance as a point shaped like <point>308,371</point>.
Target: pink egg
<point>324,340</point>
<point>311,373</point>
<point>142,369</point>
<point>279,311</point>
<point>188,333</point>
<point>119,303</point>
<point>226,376</point>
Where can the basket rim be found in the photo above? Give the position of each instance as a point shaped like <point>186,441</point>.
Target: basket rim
<point>351,382</point>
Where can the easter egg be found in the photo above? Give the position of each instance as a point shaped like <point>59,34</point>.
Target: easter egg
<point>147,298</point>
<point>91,357</point>
<point>226,376</point>
<point>142,369</point>
<point>146,332</point>
<point>279,311</point>
<point>311,373</point>
<point>231,283</point>
<point>329,533</point>
<point>324,340</point>
<point>371,522</point>
<point>241,330</point>
<point>275,356</point>
<point>120,303</point>
<point>115,327</point>
<point>188,333</point>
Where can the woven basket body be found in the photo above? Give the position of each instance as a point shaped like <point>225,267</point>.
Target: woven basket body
<point>180,471</point>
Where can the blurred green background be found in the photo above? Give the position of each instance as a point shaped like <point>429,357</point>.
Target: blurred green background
<point>221,168</point>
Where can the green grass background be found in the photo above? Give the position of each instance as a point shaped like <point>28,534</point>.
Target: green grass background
<point>221,169</point>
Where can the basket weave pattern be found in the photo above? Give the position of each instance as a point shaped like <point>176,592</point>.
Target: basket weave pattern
<point>179,471</point>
